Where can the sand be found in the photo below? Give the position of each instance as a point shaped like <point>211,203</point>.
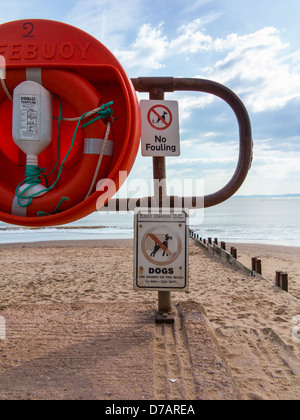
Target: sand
<point>251,318</point>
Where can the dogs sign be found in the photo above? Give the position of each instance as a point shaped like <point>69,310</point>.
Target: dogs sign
<point>161,250</point>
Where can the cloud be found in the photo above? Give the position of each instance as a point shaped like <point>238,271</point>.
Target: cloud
<point>275,168</point>
<point>191,102</point>
<point>191,39</point>
<point>256,68</point>
<point>196,4</point>
<point>152,47</point>
<point>108,21</point>
<point>203,153</point>
<point>259,66</point>
<point>147,51</point>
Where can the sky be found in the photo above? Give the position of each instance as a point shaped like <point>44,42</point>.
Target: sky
<point>250,46</point>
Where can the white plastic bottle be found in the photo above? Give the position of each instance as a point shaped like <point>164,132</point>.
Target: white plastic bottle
<point>32,124</point>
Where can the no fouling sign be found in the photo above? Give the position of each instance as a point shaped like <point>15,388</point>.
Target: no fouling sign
<point>160,128</point>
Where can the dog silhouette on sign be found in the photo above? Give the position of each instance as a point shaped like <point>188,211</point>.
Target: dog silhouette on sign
<point>158,247</point>
<point>162,117</point>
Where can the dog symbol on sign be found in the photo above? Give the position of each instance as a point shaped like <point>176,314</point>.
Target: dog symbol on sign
<point>161,245</point>
<point>161,118</point>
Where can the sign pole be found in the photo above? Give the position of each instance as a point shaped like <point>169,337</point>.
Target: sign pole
<point>160,193</point>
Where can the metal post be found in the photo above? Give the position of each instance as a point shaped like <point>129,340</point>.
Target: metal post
<point>160,194</point>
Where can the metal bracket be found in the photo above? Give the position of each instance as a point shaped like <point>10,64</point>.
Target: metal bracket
<point>157,86</point>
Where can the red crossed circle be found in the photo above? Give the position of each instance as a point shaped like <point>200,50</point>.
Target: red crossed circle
<point>159,117</point>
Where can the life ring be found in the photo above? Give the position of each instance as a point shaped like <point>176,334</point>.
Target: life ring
<point>78,173</point>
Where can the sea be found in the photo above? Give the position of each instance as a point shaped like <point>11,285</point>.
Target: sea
<point>271,220</point>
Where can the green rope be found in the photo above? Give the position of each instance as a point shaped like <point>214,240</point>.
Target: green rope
<point>104,112</point>
<point>42,213</point>
<point>34,174</point>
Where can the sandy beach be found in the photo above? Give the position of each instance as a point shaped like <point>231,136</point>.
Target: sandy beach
<point>251,318</point>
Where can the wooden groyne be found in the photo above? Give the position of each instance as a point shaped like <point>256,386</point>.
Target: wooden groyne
<point>214,247</point>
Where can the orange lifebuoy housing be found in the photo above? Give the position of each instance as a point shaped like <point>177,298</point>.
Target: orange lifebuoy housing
<point>80,90</point>
<point>75,181</point>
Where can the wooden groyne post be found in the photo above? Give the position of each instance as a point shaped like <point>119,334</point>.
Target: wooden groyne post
<point>256,265</point>
<point>282,280</point>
